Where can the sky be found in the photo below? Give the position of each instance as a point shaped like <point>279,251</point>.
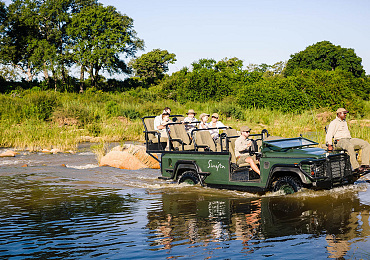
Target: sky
<point>259,31</point>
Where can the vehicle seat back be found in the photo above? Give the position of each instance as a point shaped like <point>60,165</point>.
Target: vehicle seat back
<point>230,133</point>
<point>204,138</point>
<point>149,125</point>
<point>183,141</point>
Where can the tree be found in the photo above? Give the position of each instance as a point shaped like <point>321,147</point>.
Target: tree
<point>152,66</point>
<point>326,56</point>
<point>98,36</point>
<point>19,45</point>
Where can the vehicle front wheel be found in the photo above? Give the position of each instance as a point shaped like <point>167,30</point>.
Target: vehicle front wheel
<point>189,177</point>
<point>287,184</point>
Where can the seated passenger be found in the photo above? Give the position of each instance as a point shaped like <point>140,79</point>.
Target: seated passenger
<point>203,121</point>
<point>241,149</point>
<point>189,119</point>
<point>164,120</point>
<point>158,119</point>
<point>215,123</point>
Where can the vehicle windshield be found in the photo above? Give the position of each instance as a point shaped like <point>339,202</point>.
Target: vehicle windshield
<point>290,143</point>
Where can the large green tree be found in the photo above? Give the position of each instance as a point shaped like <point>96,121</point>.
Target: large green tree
<point>19,46</point>
<point>100,36</point>
<point>325,56</point>
<point>152,66</point>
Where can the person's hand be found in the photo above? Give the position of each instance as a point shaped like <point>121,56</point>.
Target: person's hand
<point>330,147</point>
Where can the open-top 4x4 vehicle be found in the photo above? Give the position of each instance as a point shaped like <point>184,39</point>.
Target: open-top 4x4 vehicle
<point>286,164</point>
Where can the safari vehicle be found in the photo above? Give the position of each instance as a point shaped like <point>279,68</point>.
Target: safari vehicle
<point>286,164</point>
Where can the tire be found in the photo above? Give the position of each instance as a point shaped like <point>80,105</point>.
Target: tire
<point>189,177</point>
<point>287,184</point>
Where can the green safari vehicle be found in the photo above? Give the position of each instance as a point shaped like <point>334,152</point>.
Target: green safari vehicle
<point>286,164</point>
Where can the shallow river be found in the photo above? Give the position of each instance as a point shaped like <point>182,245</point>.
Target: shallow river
<point>82,211</point>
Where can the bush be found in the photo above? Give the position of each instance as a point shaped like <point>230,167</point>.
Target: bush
<point>310,89</point>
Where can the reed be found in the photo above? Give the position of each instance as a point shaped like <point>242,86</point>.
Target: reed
<point>48,120</point>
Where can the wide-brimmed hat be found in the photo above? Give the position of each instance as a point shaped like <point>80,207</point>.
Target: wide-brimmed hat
<point>203,115</point>
<point>215,115</point>
<point>245,128</point>
<point>339,110</point>
<point>191,111</point>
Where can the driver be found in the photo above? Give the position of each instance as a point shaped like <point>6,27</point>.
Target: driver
<point>242,145</point>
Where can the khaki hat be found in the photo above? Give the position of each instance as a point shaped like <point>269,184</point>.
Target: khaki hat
<point>245,129</point>
<point>191,111</point>
<point>203,115</point>
<point>215,115</point>
<point>342,110</point>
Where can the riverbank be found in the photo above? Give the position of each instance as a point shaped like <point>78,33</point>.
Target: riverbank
<point>35,121</point>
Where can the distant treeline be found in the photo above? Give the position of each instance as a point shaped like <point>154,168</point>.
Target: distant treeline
<point>52,37</point>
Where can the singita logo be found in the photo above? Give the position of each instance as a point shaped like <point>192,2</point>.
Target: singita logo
<point>217,166</point>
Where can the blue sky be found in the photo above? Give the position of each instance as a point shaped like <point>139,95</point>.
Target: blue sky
<point>259,31</point>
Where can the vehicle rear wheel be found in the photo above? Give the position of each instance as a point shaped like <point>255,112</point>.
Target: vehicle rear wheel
<point>287,184</point>
<point>189,177</point>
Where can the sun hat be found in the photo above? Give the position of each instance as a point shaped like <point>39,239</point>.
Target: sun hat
<point>245,129</point>
<point>215,115</point>
<point>339,110</point>
<point>203,115</point>
<point>191,111</point>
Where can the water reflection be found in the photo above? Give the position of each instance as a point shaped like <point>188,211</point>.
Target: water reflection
<point>196,218</point>
<point>44,219</point>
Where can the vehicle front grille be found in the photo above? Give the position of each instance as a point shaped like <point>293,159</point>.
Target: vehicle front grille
<point>332,167</point>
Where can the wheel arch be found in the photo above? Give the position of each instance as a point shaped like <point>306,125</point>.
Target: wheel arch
<point>286,170</point>
<point>182,166</point>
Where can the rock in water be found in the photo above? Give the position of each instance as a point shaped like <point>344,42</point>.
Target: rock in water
<point>130,157</point>
<point>8,153</point>
<point>122,160</point>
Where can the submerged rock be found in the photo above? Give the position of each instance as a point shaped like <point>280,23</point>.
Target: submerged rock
<point>8,153</point>
<point>131,157</point>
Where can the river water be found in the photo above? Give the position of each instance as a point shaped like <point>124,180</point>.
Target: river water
<point>82,211</point>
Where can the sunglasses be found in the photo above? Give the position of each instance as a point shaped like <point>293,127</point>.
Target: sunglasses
<point>215,117</point>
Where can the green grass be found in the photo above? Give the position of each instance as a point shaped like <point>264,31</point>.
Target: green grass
<point>44,120</point>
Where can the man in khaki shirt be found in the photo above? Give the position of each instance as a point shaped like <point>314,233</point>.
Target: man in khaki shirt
<point>241,146</point>
<point>338,130</point>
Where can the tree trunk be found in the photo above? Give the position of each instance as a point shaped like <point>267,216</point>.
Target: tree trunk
<point>82,78</point>
<point>46,75</point>
<point>29,75</point>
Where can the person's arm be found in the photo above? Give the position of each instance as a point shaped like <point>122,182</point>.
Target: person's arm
<point>329,136</point>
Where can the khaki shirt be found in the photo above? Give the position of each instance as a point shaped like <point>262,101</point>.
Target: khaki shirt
<point>338,129</point>
<point>241,144</point>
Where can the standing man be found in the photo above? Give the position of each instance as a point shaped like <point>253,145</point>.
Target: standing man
<point>338,129</point>
<point>242,145</point>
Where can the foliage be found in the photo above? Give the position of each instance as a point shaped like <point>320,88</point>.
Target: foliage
<point>209,80</point>
<point>326,56</point>
<point>98,36</point>
<point>297,93</point>
<point>151,66</point>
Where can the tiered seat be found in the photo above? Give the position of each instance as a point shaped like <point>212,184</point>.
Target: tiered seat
<point>152,136</point>
<point>179,138</point>
<point>204,142</point>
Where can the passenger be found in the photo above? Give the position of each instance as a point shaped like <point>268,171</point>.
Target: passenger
<point>241,148</point>
<point>338,129</point>
<point>215,124</point>
<point>203,121</point>
<point>189,119</point>
<point>158,119</point>
<point>165,119</point>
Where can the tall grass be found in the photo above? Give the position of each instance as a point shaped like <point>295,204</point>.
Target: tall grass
<point>37,120</point>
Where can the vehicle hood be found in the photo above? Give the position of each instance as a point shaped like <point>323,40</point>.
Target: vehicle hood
<point>308,152</point>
